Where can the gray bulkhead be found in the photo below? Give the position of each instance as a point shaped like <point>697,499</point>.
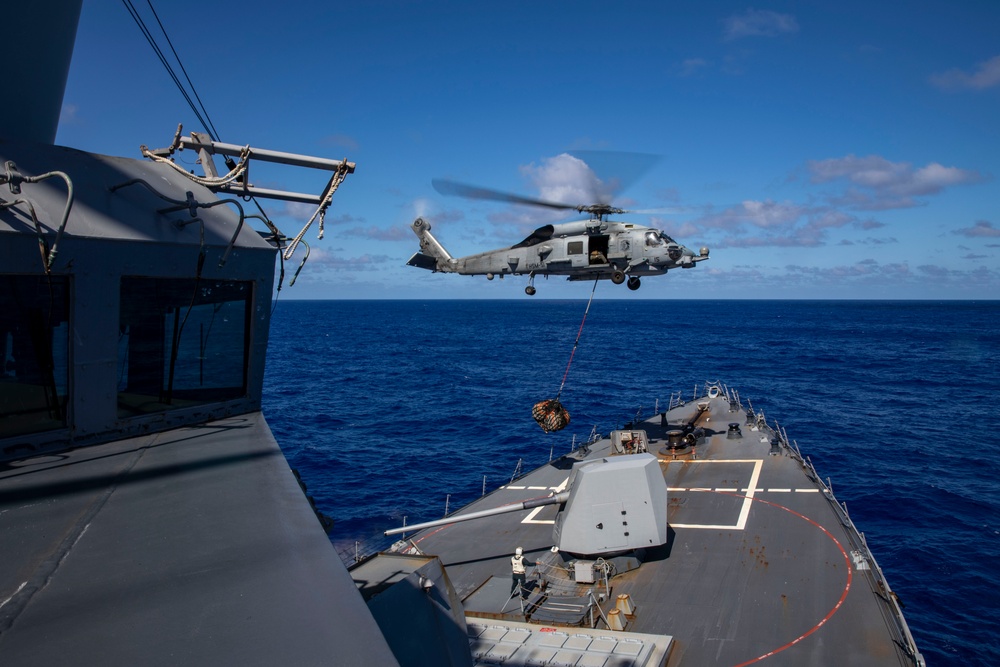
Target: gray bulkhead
<point>120,242</point>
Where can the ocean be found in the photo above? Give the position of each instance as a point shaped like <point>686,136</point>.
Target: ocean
<point>397,411</point>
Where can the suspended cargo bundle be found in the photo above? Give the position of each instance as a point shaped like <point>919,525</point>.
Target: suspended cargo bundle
<point>550,415</point>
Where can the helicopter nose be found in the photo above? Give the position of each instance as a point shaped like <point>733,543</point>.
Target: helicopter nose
<point>687,258</point>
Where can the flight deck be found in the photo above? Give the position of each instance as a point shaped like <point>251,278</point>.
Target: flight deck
<point>761,563</point>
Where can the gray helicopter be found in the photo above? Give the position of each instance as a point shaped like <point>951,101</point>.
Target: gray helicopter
<point>590,249</point>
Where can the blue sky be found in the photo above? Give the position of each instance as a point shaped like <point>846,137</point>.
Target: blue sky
<point>828,150</point>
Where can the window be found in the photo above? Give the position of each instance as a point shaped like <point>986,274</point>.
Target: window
<point>181,342</point>
<point>574,247</point>
<point>34,353</point>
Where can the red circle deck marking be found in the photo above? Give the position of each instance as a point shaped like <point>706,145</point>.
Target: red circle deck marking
<point>843,552</point>
<point>843,595</point>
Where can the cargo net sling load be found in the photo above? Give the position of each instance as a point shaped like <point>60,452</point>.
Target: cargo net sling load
<point>550,413</point>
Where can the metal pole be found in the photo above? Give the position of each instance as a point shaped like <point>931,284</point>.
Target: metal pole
<point>280,157</point>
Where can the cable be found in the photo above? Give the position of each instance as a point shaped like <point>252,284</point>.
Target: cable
<point>211,126</point>
<point>206,121</point>
<point>577,343</point>
<point>163,60</point>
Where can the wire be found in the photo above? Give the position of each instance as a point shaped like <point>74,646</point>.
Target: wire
<point>577,343</point>
<point>199,110</point>
<point>163,59</point>
<point>211,125</point>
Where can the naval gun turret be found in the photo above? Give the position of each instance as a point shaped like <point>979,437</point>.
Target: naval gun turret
<point>611,506</point>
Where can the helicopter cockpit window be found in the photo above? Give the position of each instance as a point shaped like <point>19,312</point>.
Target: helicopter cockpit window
<point>181,342</point>
<point>34,353</point>
<point>667,239</point>
<point>653,239</point>
<point>540,235</point>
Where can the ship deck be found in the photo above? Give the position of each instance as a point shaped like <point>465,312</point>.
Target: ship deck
<point>194,546</point>
<point>762,564</point>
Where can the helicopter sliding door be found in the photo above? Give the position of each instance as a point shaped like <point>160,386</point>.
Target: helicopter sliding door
<point>598,250</point>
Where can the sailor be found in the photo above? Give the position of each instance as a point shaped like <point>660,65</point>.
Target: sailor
<point>518,563</point>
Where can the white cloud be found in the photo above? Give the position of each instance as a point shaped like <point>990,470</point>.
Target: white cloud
<point>691,66</point>
<point>934,177</point>
<point>885,184</point>
<point>565,179</point>
<point>396,233</point>
<point>982,229</point>
<point>762,214</point>
<point>337,262</point>
<point>986,75</point>
<point>69,115</point>
<point>341,141</point>
<point>759,23</point>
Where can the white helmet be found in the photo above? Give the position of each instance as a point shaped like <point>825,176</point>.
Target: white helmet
<point>517,551</point>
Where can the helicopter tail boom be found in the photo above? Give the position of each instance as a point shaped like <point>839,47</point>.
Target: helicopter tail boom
<point>432,255</point>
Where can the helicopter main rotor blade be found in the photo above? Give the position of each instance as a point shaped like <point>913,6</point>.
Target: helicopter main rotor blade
<point>617,170</point>
<point>447,187</point>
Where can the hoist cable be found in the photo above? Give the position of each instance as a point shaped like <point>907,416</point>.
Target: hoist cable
<point>577,342</point>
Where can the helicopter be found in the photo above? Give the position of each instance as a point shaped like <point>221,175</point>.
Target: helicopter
<point>591,249</point>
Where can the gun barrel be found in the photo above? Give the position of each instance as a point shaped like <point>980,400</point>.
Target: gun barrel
<point>504,509</point>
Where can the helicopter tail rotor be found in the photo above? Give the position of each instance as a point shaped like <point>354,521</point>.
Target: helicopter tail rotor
<point>432,255</point>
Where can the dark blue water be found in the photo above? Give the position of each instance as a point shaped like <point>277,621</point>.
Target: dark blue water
<point>392,409</point>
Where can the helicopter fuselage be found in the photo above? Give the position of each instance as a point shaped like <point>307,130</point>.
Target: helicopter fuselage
<point>581,250</point>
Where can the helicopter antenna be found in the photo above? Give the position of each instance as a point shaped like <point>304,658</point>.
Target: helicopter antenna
<point>577,342</point>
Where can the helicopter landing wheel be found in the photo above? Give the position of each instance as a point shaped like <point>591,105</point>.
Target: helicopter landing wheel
<point>618,277</point>
<point>529,290</point>
<point>634,283</point>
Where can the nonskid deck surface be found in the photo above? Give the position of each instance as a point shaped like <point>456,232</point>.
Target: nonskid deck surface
<point>760,563</point>
<point>193,546</point>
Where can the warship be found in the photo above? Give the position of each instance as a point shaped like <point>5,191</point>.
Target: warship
<point>148,515</point>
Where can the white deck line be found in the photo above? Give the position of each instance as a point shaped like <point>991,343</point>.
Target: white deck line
<point>741,522</point>
<point>533,513</point>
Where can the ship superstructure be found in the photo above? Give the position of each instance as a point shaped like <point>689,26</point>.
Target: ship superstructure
<point>147,515</point>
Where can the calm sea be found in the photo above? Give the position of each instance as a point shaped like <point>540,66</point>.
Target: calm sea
<point>406,409</point>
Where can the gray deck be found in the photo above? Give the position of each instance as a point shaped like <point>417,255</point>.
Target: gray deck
<point>195,546</point>
<point>759,560</point>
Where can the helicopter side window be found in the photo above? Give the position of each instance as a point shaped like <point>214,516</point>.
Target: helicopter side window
<point>574,248</point>
<point>653,239</point>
